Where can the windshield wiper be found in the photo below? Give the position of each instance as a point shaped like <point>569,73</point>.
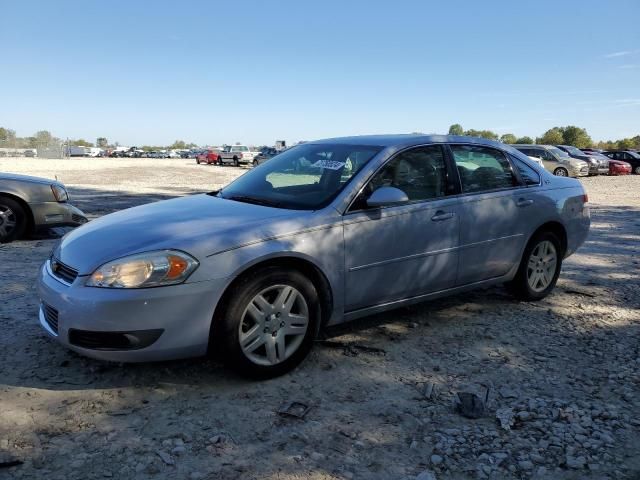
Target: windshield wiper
<point>256,201</point>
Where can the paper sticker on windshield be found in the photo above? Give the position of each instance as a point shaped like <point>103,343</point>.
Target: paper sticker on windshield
<point>328,164</point>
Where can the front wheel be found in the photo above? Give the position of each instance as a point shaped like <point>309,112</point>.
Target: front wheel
<point>539,268</point>
<point>13,220</point>
<point>561,172</point>
<point>268,325</point>
<point>637,170</point>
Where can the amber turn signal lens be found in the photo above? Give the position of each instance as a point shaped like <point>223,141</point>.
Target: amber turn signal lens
<point>177,266</point>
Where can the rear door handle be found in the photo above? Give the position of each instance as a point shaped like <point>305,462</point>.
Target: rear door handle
<point>523,202</point>
<point>440,216</point>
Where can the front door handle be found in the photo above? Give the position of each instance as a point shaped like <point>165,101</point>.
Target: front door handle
<point>440,216</point>
<point>524,202</point>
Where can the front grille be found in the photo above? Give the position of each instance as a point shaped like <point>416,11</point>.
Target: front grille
<point>51,317</point>
<point>62,271</point>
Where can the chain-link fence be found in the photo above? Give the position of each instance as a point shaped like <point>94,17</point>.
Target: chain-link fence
<point>18,147</point>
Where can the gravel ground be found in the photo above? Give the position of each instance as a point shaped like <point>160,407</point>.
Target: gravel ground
<point>561,375</point>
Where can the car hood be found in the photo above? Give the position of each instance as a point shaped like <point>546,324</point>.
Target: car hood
<point>200,225</point>
<point>574,162</point>
<point>27,178</point>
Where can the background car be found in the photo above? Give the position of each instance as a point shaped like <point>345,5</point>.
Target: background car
<point>618,167</point>
<point>209,157</point>
<point>632,158</point>
<point>596,166</point>
<point>30,204</point>
<point>237,155</point>
<point>537,161</point>
<point>555,160</point>
<point>265,154</point>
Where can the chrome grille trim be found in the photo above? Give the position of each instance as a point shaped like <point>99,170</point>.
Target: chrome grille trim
<point>61,272</point>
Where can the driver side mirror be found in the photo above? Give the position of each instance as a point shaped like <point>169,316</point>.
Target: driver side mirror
<point>387,197</point>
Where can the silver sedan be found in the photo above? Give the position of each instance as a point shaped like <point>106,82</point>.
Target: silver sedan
<point>325,232</point>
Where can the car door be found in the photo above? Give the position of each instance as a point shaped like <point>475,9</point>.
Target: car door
<point>493,213</point>
<point>397,252</point>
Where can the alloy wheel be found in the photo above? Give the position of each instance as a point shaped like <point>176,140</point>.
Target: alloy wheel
<point>8,221</point>
<point>273,325</point>
<point>542,266</point>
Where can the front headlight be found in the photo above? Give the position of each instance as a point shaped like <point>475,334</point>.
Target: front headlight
<point>59,193</point>
<point>150,269</point>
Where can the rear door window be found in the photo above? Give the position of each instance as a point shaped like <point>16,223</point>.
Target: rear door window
<point>482,169</point>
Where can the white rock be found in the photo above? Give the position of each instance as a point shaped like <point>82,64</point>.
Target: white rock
<point>426,475</point>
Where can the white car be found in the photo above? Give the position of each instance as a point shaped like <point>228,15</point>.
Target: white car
<point>536,160</point>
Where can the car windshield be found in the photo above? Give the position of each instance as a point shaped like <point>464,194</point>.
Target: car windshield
<point>559,153</point>
<point>574,151</point>
<point>306,177</point>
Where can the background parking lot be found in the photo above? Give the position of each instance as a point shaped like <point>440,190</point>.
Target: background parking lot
<point>380,391</point>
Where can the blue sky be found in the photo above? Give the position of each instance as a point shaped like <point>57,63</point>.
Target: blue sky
<point>150,72</point>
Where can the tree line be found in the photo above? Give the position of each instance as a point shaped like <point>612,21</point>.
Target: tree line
<point>569,135</point>
<point>8,138</point>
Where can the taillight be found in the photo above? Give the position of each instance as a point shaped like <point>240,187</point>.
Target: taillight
<point>585,198</point>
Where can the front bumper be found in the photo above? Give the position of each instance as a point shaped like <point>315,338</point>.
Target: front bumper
<point>577,171</point>
<point>598,169</point>
<point>173,321</point>
<point>55,214</point>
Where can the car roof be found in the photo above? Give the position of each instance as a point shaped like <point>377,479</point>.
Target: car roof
<point>406,140</point>
<point>531,145</point>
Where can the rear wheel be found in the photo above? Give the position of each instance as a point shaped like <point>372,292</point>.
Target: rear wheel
<point>539,268</point>
<point>236,162</point>
<point>269,323</point>
<point>637,170</point>
<point>561,172</point>
<point>13,220</point>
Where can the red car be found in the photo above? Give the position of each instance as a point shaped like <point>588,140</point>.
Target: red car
<point>618,167</point>
<point>208,157</point>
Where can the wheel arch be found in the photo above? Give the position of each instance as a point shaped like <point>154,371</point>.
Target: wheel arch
<point>289,261</point>
<point>25,206</point>
<point>557,229</point>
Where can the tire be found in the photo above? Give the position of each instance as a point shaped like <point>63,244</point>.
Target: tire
<point>267,352</point>
<point>236,163</point>
<point>637,170</point>
<point>525,285</point>
<point>13,220</point>
<point>255,163</point>
<point>198,161</point>
<point>561,172</point>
